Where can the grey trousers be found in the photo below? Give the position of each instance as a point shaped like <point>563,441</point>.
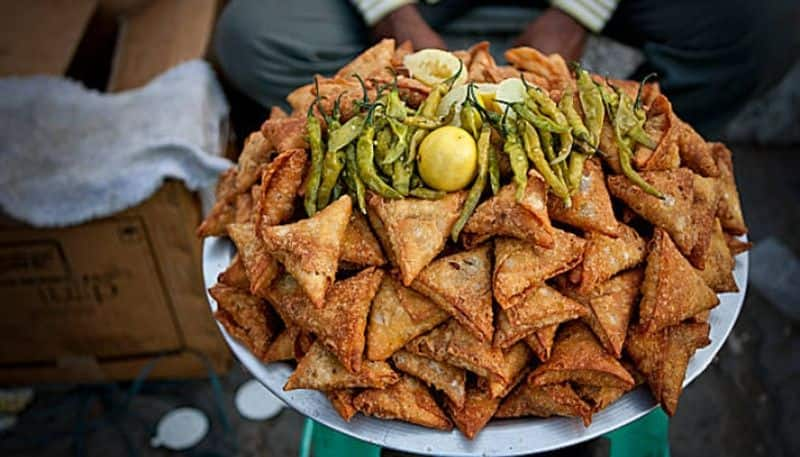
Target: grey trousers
<point>711,56</point>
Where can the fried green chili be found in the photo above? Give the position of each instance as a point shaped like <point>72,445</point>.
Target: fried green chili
<point>470,116</point>
<point>625,158</point>
<point>575,169</point>
<point>314,137</point>
<point>475,192</point>
<point>365,160</point>
<point>401,176</point>
<point>383,144</point>
<point>529,111</point>
<point>356,185</point>
<point>494,170</point>
<point>546,105</point>
<point>332,163</point>
<point>592,105</point>
<point>567,105</point>
<point>346,134</point>
<point>416,138</point>
<point>533,149</point>
<point>512,146</point>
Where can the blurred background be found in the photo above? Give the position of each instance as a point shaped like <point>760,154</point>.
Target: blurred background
<point>105,325</point>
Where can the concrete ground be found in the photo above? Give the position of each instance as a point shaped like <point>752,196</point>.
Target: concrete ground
<point>745,404</point>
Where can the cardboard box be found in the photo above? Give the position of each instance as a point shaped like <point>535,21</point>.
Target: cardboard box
<point>99,301</point>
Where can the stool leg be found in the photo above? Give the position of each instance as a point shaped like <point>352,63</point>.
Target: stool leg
<point>321,441</point>
<point>646,437</point>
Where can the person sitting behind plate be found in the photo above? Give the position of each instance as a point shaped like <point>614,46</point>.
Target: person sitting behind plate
<point>711,56</point>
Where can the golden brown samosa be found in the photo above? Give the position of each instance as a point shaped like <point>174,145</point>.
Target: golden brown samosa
<point>407,400</point>
<point>413,231</point>
<point>309,249</point>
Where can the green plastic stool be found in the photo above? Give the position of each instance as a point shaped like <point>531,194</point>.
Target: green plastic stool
<point>646,437</point>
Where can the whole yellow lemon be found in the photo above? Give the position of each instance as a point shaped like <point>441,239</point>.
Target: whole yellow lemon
<point>448,159</point>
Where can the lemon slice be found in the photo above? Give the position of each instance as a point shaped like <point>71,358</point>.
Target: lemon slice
<point>509,90</point>
<point>432,66</point>
<point>457,95</point>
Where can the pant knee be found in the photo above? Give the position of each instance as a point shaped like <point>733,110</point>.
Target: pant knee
<point>268,48</point>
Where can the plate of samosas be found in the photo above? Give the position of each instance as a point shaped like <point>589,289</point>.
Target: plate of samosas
<point>443,255</point>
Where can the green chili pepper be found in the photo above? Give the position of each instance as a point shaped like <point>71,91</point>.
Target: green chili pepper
<point>533,149</point>
<point>630,122</point>
<point>624,116</point>
<point>471,120</point>
<point>475,192</point>
<point>356,185</point>
<point>314,137</point>
<point>423,122</point>
<point>428,123</point>
<point>494,170</point>
<point>395,107</point>
<point>567,105</point>
<point>401,176</point>
<point>625,158</point>
<point>416,138</point>
<point>399,143</point>
<point>365,159</point>
<point>529,112</point>
<point>346,134</point>
<point>427,194</point>
<point>547,106</point>
<point>638,135</point>
<point>547,145</point>
<point>610,98</point>
<point>383,144</point>
<point>575,169</point>
<point>470,116</point>
<point>428,107</point>
<point>549,152</point>
<point>592,105</point>
<point>637,104</point>
<point>565,147</point>
<point>333,164</point>
<point>512,146</point>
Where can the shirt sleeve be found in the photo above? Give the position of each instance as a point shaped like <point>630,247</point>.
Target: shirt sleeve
<point>593,14</point>
<point>374,10</point>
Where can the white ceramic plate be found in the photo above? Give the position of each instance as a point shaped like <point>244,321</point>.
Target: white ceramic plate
<point>500,437</point>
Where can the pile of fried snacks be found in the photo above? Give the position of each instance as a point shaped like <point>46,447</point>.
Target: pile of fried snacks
<point>582,260</point>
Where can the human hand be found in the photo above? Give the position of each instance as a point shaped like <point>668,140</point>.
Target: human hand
<point>554,31</point>
<point>405,23</point>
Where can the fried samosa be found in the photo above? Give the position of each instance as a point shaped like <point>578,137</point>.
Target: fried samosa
<point>319,369</point>
<point>461,284</point>
<point>413,231</point>
<point>503,215</point>
<point>672,290</point>
<point>578,357</point>
<point>446,378</point>
<point>591,209</point>
<point>391,326</point>
<point>407,400</point>
<point>309,249</point>
<point>519,267</point>
<point>340,325</point>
